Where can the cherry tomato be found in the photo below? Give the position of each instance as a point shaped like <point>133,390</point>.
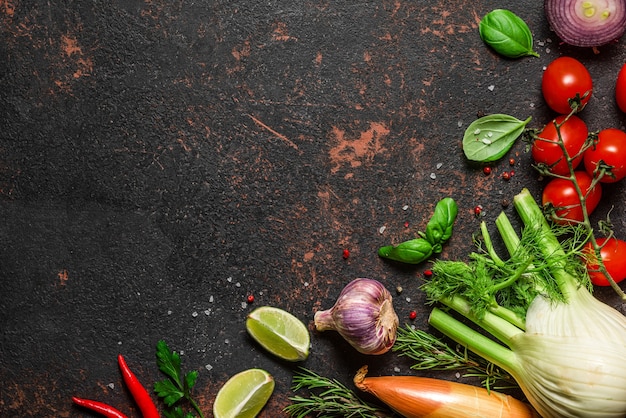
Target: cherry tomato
<point>611,149</point>
<point>562,80</point>
<point>561,194</point>
<point>620,89</point>
<point>547,149</point>
<point>613,255</point>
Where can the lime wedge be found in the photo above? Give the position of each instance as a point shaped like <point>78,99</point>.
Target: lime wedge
<point>244,394</point>
<point>279,332</point>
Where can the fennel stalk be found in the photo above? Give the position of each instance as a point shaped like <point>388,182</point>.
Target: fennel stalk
<point>564,348</point>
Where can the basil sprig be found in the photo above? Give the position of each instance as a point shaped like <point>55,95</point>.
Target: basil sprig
<point>438,231</point>
<point>507,34</point>
<point>490,137</point>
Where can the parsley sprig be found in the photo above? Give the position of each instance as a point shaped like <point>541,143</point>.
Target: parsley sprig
<point>177,386</point>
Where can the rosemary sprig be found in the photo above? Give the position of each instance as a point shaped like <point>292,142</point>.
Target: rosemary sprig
<point>430,353</point>
<point>333,401</point>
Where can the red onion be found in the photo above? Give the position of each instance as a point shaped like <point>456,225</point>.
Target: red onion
<point>363,315</point>
<point>587,23</point>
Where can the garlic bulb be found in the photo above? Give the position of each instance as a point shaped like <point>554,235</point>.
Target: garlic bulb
<point>363,315</point>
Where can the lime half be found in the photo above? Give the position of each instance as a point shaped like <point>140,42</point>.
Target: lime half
<point>244,394</point>
<point>279,332</point>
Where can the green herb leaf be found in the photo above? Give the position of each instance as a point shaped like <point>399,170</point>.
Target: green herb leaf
<point>167,390</point>
<point>177,386</point>
<point>333,400</point>
<point>490,137</point>
<point>507,34</point>
<point>412,251</point>
<point>439,228</point>
<point>168,362</point>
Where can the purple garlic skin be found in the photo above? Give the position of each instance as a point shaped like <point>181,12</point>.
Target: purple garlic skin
<point>363,315</point>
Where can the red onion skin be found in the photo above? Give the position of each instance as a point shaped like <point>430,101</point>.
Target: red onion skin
<point>567,19</point>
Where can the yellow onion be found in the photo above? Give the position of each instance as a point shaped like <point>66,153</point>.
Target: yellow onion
<point>363,315</point>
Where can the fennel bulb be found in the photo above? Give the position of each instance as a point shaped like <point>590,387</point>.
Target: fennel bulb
<point>565,348</point>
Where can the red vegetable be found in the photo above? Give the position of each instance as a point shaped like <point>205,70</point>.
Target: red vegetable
<point>611,150</point>
<point>589,23</point>
<point>416,397</point>
<point>99,407</point>
<point>564,79</point>
<point>620,89</point>
<point>546,149</point>
<point>140,394</point>
<point>562,196</point>
<point>613,255</point>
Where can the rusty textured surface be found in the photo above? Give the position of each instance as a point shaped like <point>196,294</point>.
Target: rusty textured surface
<point>159,161</point>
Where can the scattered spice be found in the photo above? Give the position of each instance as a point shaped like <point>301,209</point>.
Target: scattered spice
<point>478,210</point>
<point>487,170</point>
<point>412,315</point>
<point>512,161</point>
<point>346,254</point>
<point>506,176</point>
<point>428,273</point>
<point>250,298</point>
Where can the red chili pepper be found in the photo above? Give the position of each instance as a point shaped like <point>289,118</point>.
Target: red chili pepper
<point>140,394</point>
<point>99,407</point>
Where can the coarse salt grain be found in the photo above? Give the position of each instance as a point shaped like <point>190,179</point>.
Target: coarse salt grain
<point>405,207</point>
<point>381,229</point>
<point>208,367</point>
<point>491,87</point>
<point>433,176</point>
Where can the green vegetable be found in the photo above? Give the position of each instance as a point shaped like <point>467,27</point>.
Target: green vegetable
<point>177,386</point>
<point>334,400</point>
<point>438,231</point>
<point>563,347</point>
<point>432,353</point>
<point>439,228</point>
<point>412,252</point>
<point>507,34</point>
<point>490,137</point>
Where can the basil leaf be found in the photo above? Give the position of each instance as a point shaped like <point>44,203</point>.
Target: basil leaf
<point>439,227</point>
<point>412,252</point>
<point>490,137</point>
<point>507,34</point>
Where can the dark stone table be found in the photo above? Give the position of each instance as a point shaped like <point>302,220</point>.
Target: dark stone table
<point>161,161</point>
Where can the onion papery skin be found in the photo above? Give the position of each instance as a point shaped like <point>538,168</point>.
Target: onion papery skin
<point>587,23</point>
